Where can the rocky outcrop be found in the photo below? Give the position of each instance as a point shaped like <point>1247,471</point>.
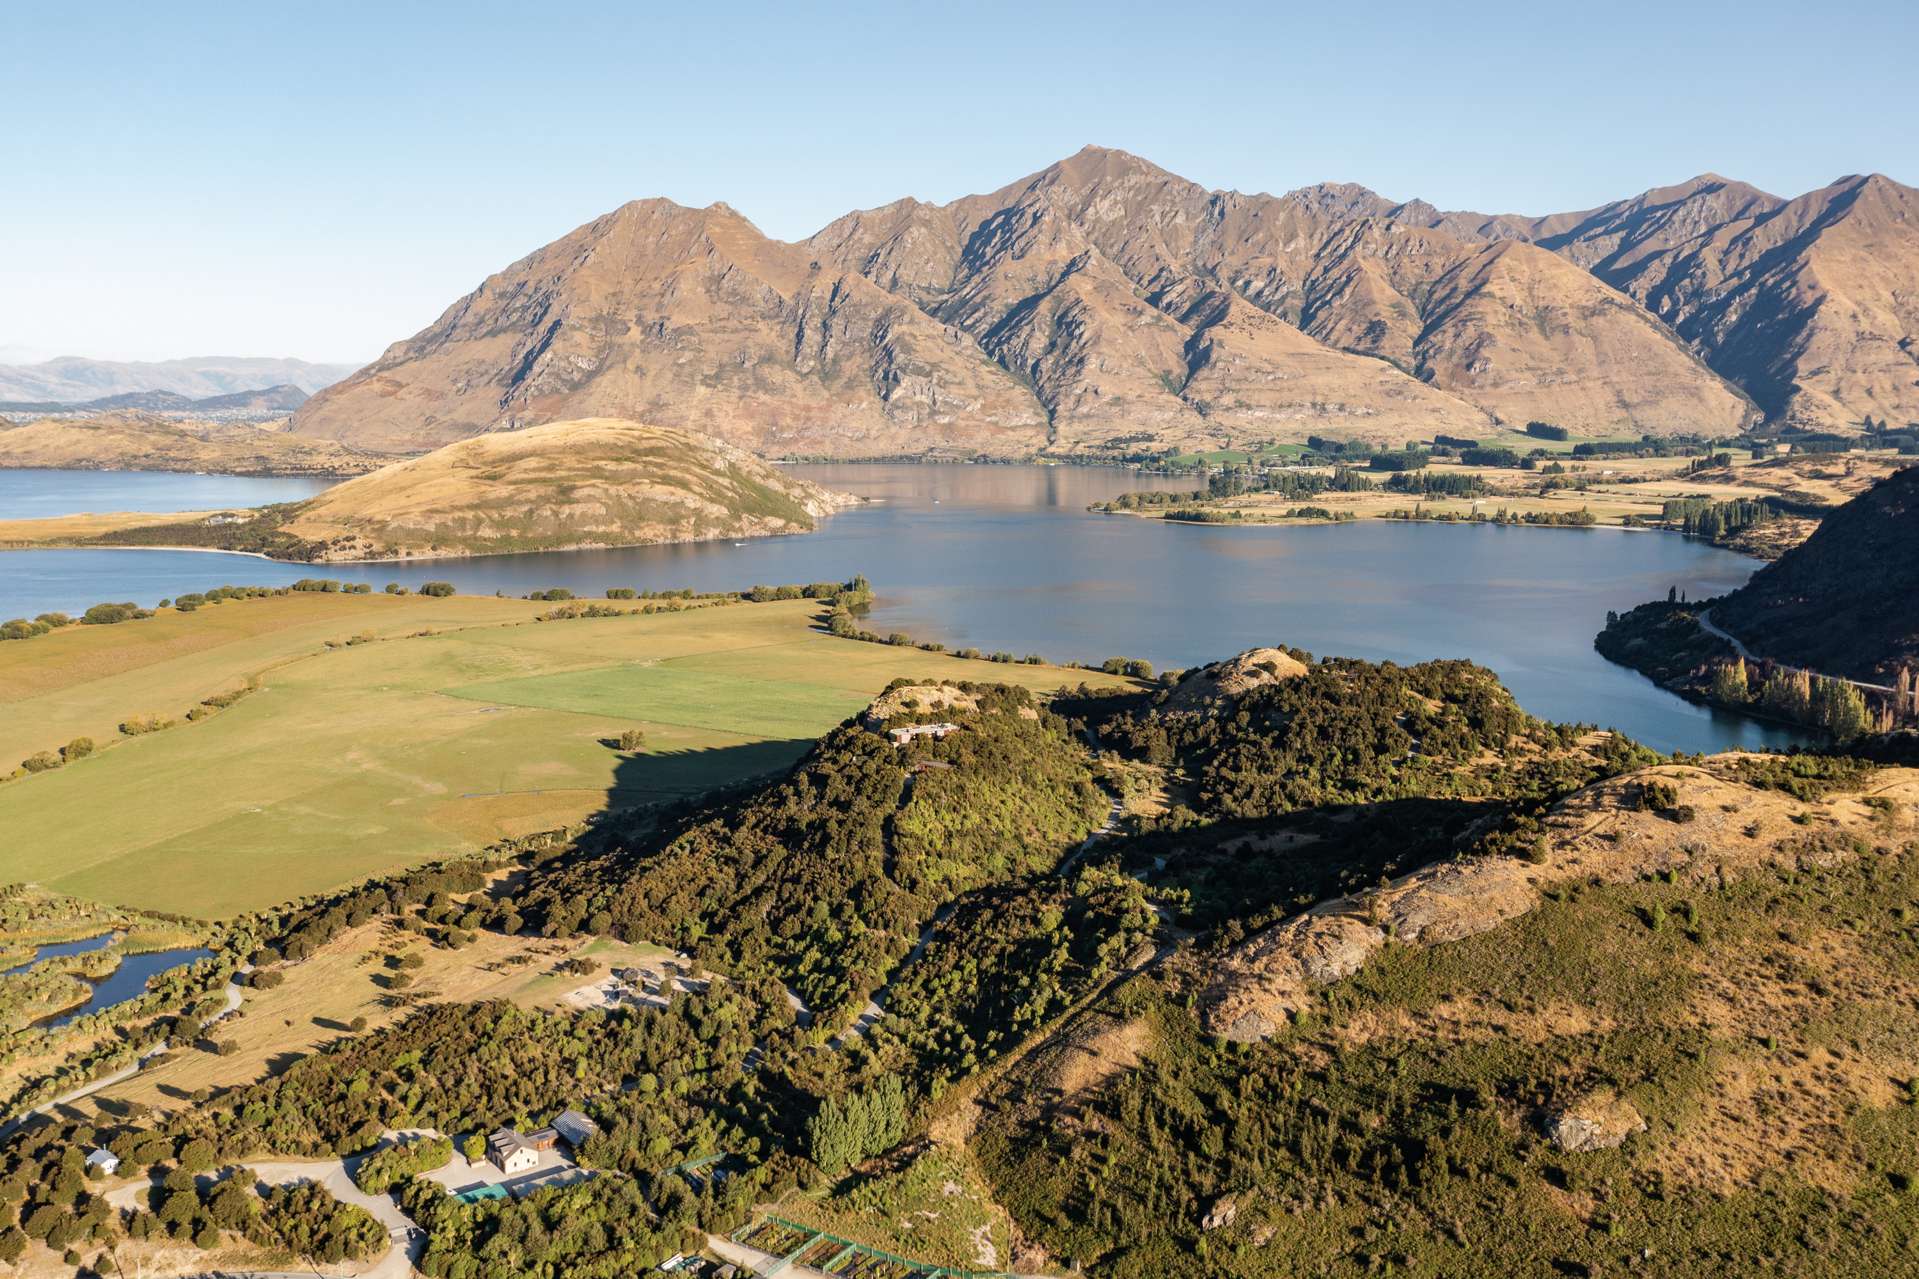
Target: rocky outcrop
<point>918,699</point>
<point>1604,832</point>
<point>1223,1213</point>
<point>1213,687</point>
<point>1600,1120</point>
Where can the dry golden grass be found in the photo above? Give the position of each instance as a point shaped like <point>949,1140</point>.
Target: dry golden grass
<point>349,977</point>
<point>148,442</point>
<point>593,482</point>
<point>68,530</point>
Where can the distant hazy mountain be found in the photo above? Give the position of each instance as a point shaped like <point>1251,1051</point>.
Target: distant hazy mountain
<point>1105,303</point>
<point>71,379</point>
<point>136,441</point>
<point>270,399</point>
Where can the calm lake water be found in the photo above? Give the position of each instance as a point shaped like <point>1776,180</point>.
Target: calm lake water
<point>1007,557</point>
<point>59,949</point>
<point>32,495</point>
<point>128,981</point>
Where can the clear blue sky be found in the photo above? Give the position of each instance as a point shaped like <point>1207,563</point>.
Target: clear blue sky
<point>319,180</point>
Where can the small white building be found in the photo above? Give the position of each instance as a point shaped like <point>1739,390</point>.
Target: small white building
<point>510,1153</point>
<point>104,1161</point>
<point>905,734</point>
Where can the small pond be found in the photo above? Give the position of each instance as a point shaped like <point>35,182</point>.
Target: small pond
<point>128,981</point>
<point>60,949</point>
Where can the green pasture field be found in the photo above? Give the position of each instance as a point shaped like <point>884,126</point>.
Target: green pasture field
<point>678,693</point>
<point>354,761</point>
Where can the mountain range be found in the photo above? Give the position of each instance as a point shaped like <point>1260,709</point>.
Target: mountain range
<point>1104,304</point>
<point>268,399</point>
<point>73,379</point>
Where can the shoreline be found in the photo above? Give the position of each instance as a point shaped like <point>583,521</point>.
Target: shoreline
<point>398,559</point>
<point>1396,519</point>
<point>336,476</point>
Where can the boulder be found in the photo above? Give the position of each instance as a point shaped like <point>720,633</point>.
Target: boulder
<point>1600,1120</point>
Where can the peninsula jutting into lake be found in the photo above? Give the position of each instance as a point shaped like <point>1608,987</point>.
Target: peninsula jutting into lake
<point>768,664</point>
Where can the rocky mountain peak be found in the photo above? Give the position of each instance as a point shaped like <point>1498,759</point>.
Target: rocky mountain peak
<point>1105,298</point>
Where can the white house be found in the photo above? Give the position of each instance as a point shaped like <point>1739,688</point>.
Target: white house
<point>104,1160</point>
<point>510,1153</point>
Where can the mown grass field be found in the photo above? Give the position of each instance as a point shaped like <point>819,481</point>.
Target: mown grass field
<point>682,694</point>
<point>353,761</point>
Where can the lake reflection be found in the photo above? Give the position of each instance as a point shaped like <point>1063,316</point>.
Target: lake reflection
<point>1007,557</point>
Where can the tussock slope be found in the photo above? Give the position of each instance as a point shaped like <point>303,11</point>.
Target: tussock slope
<point>1603,833</point>
<point>596,482</point>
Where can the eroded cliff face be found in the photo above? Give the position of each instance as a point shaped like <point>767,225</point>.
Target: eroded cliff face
<point>1104,303</point>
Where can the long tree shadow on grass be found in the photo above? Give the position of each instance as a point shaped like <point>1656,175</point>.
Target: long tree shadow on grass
<point>649,777</point>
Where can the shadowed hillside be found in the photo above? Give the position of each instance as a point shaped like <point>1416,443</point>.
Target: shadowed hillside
<point>1845,601</point>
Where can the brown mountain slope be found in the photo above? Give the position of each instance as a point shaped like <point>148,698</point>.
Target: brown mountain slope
<point>1807,305</point>
<point>1611,239</point>
<point>1080,280</point>
<point>1103,302</point>
<point>563,485</point>
<point>1530,336</point>
<point>686,317</point>
<point>1343,264</point>
<point>1812,306</point>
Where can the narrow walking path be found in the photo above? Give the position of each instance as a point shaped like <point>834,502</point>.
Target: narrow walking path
<point>876,1006</point>
<point>1113,813</point>
<point>1706,624</point>
<point>232,1003</point>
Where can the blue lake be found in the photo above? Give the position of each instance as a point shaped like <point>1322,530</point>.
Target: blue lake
<point>1008,557</point>
<point>59,949</point>
<point>32,495</point>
